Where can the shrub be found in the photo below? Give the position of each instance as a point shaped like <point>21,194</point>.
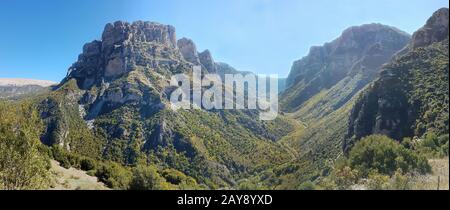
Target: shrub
<point>386,156</point>
<point>60,155</point>
<point>114,175</point>
<point>434,146</point>
<point>307,186</point>
<point>87,164</point>
<point>147,178</point>
<point>345,177</point>
<point>177,178</point>
<point>377,181</point>
<point>400,181</point>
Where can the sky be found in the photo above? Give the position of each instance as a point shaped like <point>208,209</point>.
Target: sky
<point>40,39</point>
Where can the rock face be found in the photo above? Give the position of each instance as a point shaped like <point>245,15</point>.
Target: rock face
<point>188,50</point>
<point>359,51</point>
<point>207,61</point>
<point>123,47</point>
<point>411,96</point>
<point>145,53</point>
<point>190,54</point>
<point>435,30</point>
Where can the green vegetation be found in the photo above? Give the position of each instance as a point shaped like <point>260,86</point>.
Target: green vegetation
<point>23,164</point>
<point>117,176</point>
<point>385,156</point>
<point>410,99</point>
<point>376,162</point>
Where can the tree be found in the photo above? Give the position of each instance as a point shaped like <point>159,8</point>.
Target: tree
<point>147,178</point>
<point>114,175</point>
<point>22,164</point>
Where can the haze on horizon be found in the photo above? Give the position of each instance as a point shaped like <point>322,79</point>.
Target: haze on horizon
<point>41,39</point>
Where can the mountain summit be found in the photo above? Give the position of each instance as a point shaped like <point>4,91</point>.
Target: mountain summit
<point>360,50</point>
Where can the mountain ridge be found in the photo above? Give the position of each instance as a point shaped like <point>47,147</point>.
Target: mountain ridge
<point>360,50</point>
<point>405,110</point>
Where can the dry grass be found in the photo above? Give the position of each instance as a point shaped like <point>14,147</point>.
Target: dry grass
<point>73,179</point>
<point>440,176</point>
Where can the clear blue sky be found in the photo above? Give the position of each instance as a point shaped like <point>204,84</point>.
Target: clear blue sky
<point>41,39</point>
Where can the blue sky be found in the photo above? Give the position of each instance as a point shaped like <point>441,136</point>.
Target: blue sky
<point>41,39</point>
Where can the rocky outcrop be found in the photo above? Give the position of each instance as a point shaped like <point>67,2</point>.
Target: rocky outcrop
<point>188,50</point>
<point>123,48</point>
<point>207,61</point>
<point>138,31</point>
<point>435,30</point>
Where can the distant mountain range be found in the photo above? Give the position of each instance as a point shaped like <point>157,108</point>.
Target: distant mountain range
<point>11,88</point>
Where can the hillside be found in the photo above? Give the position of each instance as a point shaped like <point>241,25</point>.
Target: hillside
<point>73,179</point>
<point>411,96</point>
<point>341,68</point>
<point>327,111</point>
<point>322,86</point>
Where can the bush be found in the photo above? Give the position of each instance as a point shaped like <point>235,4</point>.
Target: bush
<point>114,175</point>
<point>147,178</point>
<point>430,141</point>
<point>178,178</point>
<point>87,164</point>
<point>345,177</point>
<point>377,181</point>
<point>385,156</point>
<point>60,155</point>
<point>434,146</point>
<point>307,186</point>
<point>400,181</point>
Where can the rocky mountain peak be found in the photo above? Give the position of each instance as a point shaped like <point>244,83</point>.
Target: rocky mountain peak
<point>435,30</point>
<point>360,51</point>
<point>207,61</point>
<point>353,44</point>
<point>361,38</point>
<point>125,47</point>
<point>188,50</point>
<point>141,31</point>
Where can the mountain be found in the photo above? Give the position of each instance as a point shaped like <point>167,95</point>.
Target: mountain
<point>113,105</point>
<point>12,88</point>
<point>411,96</point>
<point>322,87</point>
<point>346,65</point>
